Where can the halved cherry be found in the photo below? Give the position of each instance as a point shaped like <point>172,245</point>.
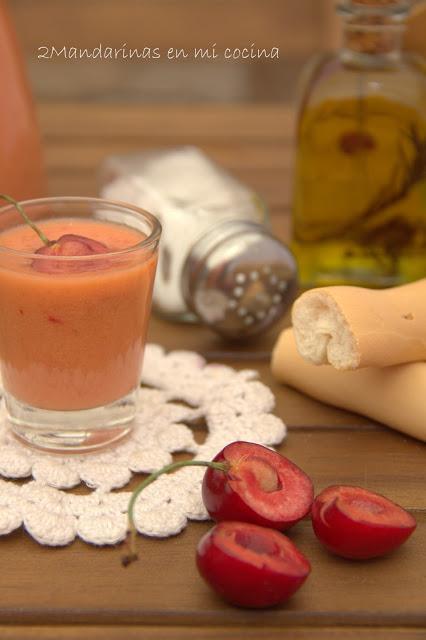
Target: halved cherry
<point>359,524</point>
<point>260,486</point>
<point>70,245</point>
<point>251,566</point>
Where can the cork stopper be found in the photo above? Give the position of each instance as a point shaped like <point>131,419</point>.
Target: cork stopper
<point>370,25</point>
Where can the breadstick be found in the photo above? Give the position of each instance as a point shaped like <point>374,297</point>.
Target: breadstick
<point>352,327</point>
<point>394,395</point>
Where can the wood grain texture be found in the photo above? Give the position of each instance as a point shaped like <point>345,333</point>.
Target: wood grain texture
<point>83,592</point>
<point>255,142</point>
<point>85,585</point>
<point>294,25</point>
<point>230,123</point>
<point>152,632</point>
<point>297,27</point>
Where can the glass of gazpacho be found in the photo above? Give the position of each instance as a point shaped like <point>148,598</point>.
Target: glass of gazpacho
<point>75,299</point>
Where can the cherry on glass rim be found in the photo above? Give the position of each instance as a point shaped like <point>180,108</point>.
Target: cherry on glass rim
<point>260,486</point>
<point>251,566</point>
<point>358,524</point>
<point>70,245</point>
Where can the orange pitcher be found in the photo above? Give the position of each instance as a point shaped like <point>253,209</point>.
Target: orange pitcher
<point>21,167</point>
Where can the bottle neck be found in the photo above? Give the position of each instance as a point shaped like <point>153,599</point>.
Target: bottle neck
<point>372,42</point>
<point>373,31</point>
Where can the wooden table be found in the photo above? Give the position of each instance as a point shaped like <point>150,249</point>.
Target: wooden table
<point>82,591</point>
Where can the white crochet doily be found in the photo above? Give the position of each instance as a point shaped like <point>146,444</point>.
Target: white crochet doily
<point>234,406</point>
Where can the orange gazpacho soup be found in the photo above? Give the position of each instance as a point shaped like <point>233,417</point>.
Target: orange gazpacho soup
<point>74,340</point>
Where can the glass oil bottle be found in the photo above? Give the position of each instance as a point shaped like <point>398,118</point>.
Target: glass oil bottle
<point>359,201</point>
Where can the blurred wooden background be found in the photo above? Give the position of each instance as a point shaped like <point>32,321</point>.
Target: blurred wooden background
<point>297,27</point>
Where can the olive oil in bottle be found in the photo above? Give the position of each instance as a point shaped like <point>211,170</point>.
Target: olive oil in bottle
<point>359,202</point>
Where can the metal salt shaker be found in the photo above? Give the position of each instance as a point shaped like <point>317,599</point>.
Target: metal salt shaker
<point>218,262</point>
<point>239,279</point>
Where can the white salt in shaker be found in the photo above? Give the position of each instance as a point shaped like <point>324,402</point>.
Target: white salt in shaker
<point>217,263</point>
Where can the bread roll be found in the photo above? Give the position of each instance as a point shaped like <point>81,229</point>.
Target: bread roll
<point>352,327</point>
<point>394,395</point>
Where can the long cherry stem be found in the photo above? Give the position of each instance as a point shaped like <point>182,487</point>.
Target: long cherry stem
<point>132,555</point>
<point>20,210</point>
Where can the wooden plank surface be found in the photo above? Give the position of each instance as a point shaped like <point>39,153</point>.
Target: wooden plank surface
<point>83,584</point>
<point>152,632</point>
<point>297,27</point>
<point>294,25</point>
<point>254,142</point>
<point>231,123</point>
<point>82,591</point>
<point>300,26</point>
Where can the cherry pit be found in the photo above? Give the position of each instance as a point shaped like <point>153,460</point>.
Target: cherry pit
<point>254,494</point>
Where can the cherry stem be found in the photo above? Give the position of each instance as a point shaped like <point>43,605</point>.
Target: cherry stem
<point>132,555</point>
<point>20,210</point>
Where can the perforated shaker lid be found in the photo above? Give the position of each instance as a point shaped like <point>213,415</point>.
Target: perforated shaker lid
<point>239,279</point>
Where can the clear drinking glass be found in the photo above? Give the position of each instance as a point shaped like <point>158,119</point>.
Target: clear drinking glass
<point>73,328</point>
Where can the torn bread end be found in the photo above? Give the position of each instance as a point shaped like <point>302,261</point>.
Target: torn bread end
<point>322,334</point>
